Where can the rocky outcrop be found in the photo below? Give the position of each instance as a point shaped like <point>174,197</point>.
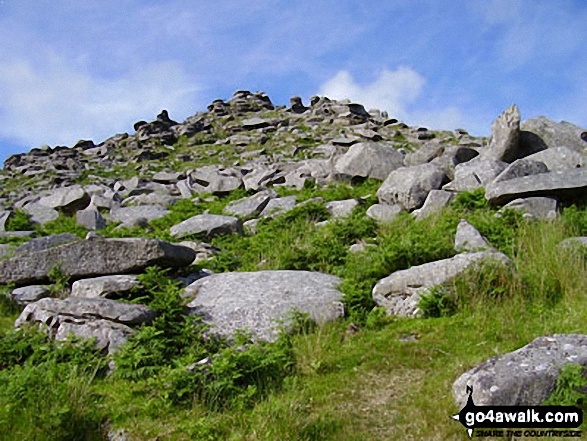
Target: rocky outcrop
<point>408,187</point>
<point>258,301</point>
<point>368,160</point>
<point>96,257</point>
<point>400,292</point>
<point>569,185</point>
<point>505,132</point>
<point>525,377</point>
<point>208,225</point>
<point>106,320</point>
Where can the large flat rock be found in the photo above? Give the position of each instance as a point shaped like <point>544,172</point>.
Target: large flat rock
<point>96,257</point>
<point>257,300</point>
<point>569,185</point>
<point>525,377</point>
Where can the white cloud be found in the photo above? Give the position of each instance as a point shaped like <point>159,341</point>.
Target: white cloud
<point>392,90</point>
<point>58,104</point>
<point>400,93</point>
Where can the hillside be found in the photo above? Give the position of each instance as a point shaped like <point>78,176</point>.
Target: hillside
<point>262,272</point>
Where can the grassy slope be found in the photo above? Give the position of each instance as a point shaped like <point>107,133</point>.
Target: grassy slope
<point>366,386</point>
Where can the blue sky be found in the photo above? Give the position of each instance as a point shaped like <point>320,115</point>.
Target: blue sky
<point>73,69</point>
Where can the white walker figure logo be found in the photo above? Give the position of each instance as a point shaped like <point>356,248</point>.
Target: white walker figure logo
<point>519,417</point>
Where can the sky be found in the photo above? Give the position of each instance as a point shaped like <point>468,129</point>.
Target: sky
<point>72,69</point>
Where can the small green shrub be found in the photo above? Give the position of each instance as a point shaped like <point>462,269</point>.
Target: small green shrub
<point>437,302</point>
<point>63,224</point>
<point>19,221</point>
<point>471,200</point>
<point>571,388</point>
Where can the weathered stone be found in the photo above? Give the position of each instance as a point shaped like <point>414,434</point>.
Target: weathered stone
<point>342,208</point>
<point>426,153</point>
<point>67,199</point>
<point>368,160</point>
<point>168,177</point>
<point>525,377</point>
<point>469,239</point>
<point>541,133</point>
<point>383,212</point>
<point>156,198</point>
<point>574,242</point>
<point>250,226</point>
<point>400,292</point>
<point>90,218</point>
<point>520,168</point>
<point>40,214</point>
<point>209,225</point>
<point>475,174</point>
<point>109,335</point>
<point>215,180</point>
<point>259,179</point>
<point>250,206</point>
<point>96,257</point>
<point>45,310</point>
<point>137,215</point>
<point>258,300</point>
<point>568,185</point>
<point>435,201</point>
<point>46,242</point>
<point>105,286</point>
<point>560,158</point>
<point>278,206</point>
<point>505,132</point>
<point>409,186</point>
<point>29,294</point>
<point>4,217</point>
<point>535,207</point>
<point>255,123</point>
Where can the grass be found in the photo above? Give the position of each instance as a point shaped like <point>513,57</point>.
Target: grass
<point>391,379</point>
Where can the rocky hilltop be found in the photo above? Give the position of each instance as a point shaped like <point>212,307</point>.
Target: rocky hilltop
<point>239,168</point>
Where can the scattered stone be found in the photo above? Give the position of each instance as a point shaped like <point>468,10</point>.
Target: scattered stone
<point>137,215</point>
<point>400,292</point>
<point>4,217</point>
<point>520,168</point>
<point>574,242</point>
<point>168,177</point>
<point>40,214</point>
<point>342,208</point>
<point>505,132</point>
<point>567,185</point>
<point>204,251</point>
<point>29,294</point>
<point>255,123</point>
<point>541,133</point>
<point>409,186</point>
<point>525,377</point>
<point>383,212</point>
<point>250,206</point>
<point>475,174</point>
<point>67,199</point>
<point>90,258</point>
<point>535,207</point>
<point>258,300</point>
<point>368,160</point>
<point>560,158</point>
<point>435,201</point>
<point>469,239</point>
<point>90,218</point>
<point>278,206</point>
<point>209,225</point>
<point>104,286</point>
